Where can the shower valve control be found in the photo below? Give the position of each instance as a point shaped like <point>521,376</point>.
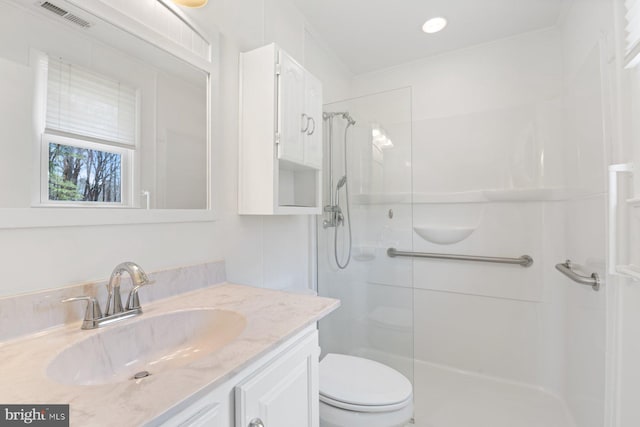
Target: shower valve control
<point>390,214</point>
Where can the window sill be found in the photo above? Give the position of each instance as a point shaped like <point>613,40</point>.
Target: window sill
<point>73,217</point>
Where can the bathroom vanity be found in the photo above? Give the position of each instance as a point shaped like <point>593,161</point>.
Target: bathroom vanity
<point>224,355</point>
<point>279,389</point>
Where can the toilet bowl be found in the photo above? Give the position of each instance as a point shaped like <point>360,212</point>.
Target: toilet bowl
<point>358,392</point>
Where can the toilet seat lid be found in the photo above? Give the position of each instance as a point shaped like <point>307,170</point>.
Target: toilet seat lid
<point>363,382</point>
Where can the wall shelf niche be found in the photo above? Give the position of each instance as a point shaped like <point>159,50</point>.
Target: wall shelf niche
<point>443,234</point>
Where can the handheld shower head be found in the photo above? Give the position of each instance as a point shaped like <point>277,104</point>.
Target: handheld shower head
<point>341,183</point>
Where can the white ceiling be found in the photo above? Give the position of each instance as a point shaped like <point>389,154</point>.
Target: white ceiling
<point>373,34</point>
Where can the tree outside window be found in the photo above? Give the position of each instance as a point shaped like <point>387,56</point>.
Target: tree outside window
<point>85,175</point>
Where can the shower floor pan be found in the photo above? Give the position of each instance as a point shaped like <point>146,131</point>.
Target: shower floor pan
<point>446,397</point>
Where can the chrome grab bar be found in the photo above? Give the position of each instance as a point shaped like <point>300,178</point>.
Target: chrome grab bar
<point>524,260</point>
<point>566,269</point>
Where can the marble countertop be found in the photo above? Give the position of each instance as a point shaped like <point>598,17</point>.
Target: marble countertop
<point>272,317</point>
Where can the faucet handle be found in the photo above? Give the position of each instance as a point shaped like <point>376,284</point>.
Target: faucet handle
<point>92,313</point>
<point>133,302</point>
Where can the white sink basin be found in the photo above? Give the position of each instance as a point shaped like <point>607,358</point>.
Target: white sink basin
<point>154,344</point>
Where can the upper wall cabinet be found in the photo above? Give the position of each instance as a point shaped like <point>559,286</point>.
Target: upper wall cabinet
<point>280,135</point>
<point>299,114</point>
<point>313,136</point>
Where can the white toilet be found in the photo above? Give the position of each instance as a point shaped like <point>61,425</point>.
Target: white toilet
<point>357,392</point>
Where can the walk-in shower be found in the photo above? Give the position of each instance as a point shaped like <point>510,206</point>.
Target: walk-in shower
<point>483,343</point>
<point>334,208</point>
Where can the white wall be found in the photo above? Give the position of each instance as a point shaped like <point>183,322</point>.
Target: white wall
<point>263,251</point>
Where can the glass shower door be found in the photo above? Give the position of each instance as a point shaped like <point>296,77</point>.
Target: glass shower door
<point>375,319</point>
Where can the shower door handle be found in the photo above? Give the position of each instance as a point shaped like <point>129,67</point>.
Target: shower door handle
<point>313,129</point>
<point>306,125</point>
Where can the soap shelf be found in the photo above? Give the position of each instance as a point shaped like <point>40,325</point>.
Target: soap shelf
<point>364,253</point>
<point>442,234</point>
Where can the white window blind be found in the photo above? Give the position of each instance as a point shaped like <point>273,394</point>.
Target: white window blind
<point>632,30</point>
<point>85,103</point>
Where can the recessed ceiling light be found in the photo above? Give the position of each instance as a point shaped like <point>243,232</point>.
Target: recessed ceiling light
<point>191,3</point>
<point>434,25</point>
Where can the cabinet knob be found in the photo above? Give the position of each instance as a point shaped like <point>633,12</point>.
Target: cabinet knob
<point>305,123</point>
<point>256,422</point>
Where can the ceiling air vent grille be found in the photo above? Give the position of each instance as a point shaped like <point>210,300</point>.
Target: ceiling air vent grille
<point>65,14</point>
<point>77,20</point>
<point>53,8</point>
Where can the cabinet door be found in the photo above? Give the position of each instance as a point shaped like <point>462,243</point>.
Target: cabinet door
<point>285,393</point>
<point>313,136</point>
<point>292,121</point>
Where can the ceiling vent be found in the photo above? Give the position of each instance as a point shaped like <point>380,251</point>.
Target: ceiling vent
<point>65,14</point>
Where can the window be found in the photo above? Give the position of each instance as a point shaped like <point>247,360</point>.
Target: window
<point>80,171</point>
<point>89,138</point>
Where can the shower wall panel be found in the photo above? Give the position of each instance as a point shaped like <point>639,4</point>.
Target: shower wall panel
<point>488,155</point>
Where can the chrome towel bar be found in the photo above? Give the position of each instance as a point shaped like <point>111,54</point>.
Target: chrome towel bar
<point>524,260</point>
<point>566,269</point>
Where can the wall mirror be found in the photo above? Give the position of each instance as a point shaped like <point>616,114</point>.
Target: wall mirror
<point>106,118</point>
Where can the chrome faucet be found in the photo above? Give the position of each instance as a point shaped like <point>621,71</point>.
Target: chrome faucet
<point>336,218</point>
<point>138,279</point>
<point>94,318</point>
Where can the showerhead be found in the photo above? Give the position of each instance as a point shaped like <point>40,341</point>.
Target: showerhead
<point>349,119</point>
<point>345,115</point>
<point>341,183</point>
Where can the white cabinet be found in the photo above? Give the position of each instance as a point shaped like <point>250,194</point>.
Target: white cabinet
<point>280,389</point>
<point>313,135</point>
<point>280,154</point>
<point>291,117</point>
<point>283,394</point>
<point>299,114</point>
